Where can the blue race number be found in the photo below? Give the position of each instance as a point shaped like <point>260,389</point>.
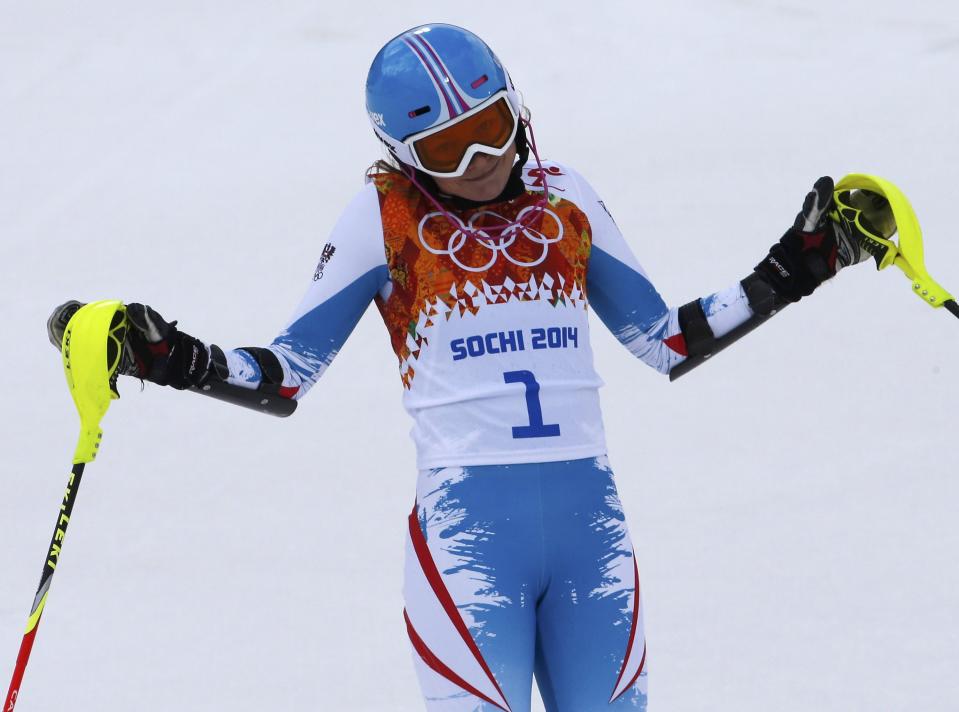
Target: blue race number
<point>536,428</point>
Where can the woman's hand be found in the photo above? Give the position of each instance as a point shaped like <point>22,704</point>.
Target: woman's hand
<point>818,245</point>
<point>161,353</point>
<point>154,349</point>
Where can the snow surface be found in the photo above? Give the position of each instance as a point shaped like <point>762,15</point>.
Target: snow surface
<point>793,502</point>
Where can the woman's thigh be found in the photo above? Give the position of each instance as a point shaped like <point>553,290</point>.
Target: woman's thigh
<point>473,572</point>
<point>591,646</point>
<point>513,568</point>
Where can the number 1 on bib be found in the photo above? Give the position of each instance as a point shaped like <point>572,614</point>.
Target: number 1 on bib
<point>536,427</point>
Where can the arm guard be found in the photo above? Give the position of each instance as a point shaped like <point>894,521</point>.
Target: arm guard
<point>265,398</point>
<point>762,300</point>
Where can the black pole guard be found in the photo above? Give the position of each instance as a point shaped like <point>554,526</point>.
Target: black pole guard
<point>253,398</point>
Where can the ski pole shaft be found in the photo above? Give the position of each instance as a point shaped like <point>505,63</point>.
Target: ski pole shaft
<point>40,600</point>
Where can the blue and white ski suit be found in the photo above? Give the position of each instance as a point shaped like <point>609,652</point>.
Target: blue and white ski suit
<point>519,561</point>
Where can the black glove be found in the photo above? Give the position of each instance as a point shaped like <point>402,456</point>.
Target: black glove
<point>157,351</point>
<point>154,349</point>
<point>812,250</point>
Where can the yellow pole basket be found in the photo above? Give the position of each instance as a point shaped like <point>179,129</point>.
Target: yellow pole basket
<point>92,349</point>
<point>907,253</point>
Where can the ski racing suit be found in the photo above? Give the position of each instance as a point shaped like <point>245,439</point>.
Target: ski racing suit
<point>518,558</point>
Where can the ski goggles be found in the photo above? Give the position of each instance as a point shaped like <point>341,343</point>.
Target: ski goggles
<point>445,151</point>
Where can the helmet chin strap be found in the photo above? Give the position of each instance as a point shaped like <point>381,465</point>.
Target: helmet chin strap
<point>514,188</point>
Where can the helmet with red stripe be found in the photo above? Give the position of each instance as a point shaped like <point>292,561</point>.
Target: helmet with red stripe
<point>437,95</point>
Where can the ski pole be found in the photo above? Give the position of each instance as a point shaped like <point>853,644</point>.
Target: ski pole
<point>875,231</point>
<point>907,254</point>
<point>92,347</point>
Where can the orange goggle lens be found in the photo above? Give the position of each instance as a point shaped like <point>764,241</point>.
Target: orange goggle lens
<point>444,150</point>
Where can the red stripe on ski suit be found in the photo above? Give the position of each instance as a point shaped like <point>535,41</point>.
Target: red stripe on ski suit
<point>677,342</point>
<point>632,636</point>
<point>434,663</point>
<point>446,600</point>
<point>639,670</point>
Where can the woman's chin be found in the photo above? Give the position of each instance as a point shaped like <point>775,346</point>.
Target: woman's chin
<point>483,190</point>
<point>488,193</point>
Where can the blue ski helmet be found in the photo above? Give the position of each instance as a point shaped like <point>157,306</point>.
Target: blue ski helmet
<point>430,76</point>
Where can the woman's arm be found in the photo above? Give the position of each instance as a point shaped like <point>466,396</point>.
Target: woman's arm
<point>624,298</point>
<point>819,243</point>
<point>350,272</point>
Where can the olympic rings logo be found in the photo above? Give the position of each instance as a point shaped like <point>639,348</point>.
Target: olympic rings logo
<point>498,245</point>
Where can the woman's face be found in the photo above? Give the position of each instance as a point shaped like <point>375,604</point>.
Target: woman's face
<point>484,179</point>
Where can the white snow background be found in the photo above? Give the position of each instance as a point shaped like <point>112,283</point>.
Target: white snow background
<point>794,502</point>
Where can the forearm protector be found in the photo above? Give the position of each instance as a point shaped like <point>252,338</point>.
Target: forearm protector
<point>763,301</point>
<point>266,397</point>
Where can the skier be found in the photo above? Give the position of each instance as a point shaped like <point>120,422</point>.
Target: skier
<point>484,260</point>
